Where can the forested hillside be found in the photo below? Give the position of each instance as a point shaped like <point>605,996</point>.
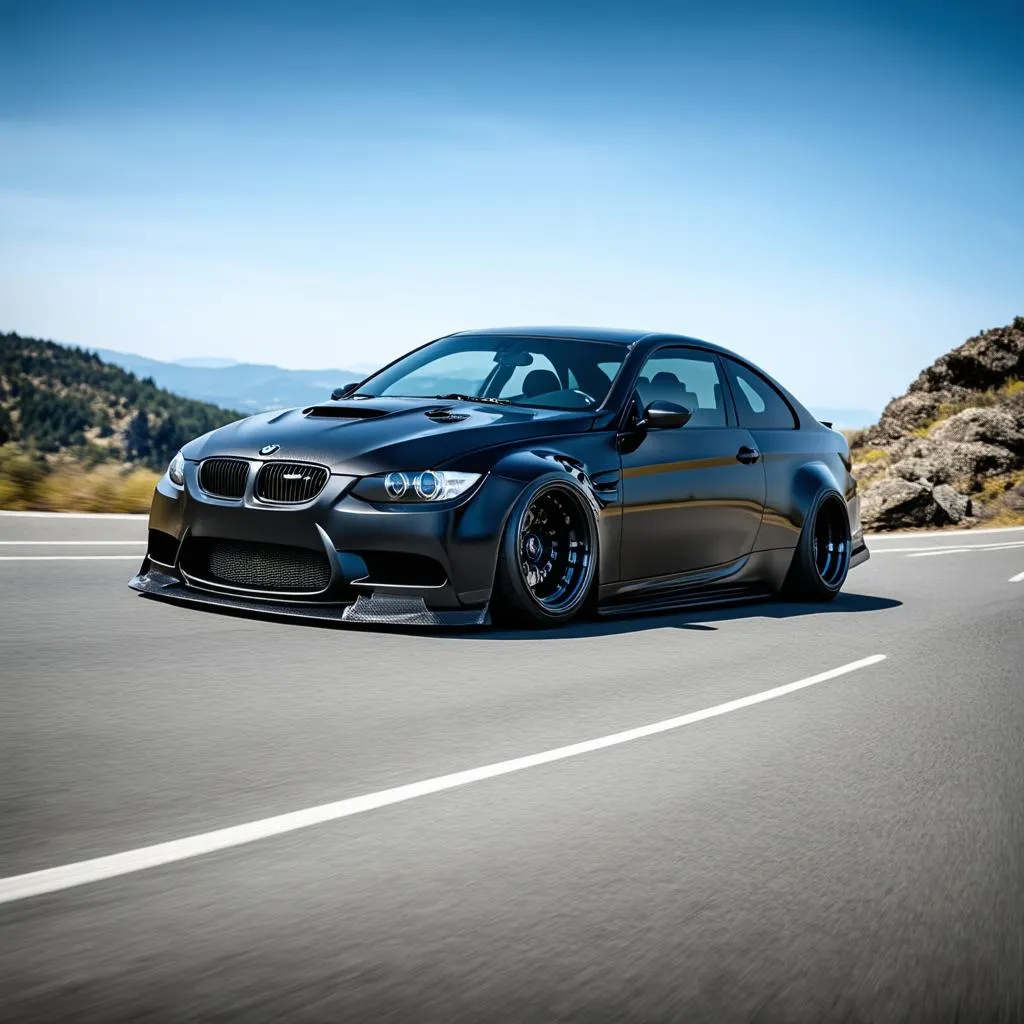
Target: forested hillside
<point>55,399</point>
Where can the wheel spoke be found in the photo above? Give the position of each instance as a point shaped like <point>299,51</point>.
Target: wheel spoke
<point>831,544</point>
<point>554,549</point>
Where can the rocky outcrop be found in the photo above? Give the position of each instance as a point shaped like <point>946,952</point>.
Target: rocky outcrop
<point>950,450</point>
<point>991,426</point>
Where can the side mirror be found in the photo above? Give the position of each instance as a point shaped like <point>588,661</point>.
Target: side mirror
<point>661,415</point>
<point>343,390</point>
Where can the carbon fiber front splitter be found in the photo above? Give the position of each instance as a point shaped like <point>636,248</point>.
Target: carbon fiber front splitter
<point>382,610</point>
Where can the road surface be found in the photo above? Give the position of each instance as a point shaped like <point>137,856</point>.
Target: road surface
<point>488,831</point>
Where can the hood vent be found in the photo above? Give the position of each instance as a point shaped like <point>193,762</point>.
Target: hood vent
<point>444,414</point>
<point>344,412</point>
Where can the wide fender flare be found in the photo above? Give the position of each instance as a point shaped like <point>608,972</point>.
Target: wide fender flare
<point>537,467</point>
<point>810,483</point>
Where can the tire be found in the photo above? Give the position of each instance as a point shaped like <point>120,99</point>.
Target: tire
<point>547,562</point>
<point>822,556</point>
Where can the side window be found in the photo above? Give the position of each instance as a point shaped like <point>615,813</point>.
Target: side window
<point>758,405</point>
<point>685,377</point>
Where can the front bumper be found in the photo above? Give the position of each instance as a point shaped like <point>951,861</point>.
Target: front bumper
<point>384,610</point>
<point>459,539</point>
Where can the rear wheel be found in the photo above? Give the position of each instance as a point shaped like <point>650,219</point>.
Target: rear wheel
<point>548,557</point>
<point>822,557</point>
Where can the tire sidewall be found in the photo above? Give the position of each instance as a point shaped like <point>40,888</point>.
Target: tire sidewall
<point>804,580</point>
<point>512,597</point>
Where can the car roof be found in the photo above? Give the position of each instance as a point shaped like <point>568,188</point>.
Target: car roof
<point>618,335</point>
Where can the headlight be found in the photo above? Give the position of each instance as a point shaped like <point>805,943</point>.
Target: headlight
<point>415,487</point>
<point>176,470</point>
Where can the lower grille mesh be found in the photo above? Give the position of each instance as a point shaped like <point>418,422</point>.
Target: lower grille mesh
<point>255,566</point>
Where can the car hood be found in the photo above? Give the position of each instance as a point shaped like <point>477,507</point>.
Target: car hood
<point>365,436</point>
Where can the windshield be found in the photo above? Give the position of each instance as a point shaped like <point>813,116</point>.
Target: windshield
<point>547,373</point>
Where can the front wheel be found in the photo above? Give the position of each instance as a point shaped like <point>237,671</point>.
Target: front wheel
<point>548,556</point>
<point>822,557</point>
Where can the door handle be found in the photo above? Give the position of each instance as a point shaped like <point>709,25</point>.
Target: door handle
<point>747,455</point>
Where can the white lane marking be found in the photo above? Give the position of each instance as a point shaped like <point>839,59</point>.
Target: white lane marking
<point>948,547</point>
<point>1019,578</point>
<point>958,551</point>
<point>974,531</point>
<point>70,543</point>
<point>75,515</point>
<point>35,883</point>
<point>66,558</point>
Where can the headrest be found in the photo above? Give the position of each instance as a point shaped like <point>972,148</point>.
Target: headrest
<point>540,382</point>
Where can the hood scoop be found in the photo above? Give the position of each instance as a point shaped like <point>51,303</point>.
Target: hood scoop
<point>344,412</point>
<point>445,414</point>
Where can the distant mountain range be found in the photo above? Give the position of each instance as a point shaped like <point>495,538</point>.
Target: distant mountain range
<point>248,387</point>
<point>253,387</point>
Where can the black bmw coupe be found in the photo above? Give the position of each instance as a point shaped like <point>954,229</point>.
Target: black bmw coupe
<point>520,475</point>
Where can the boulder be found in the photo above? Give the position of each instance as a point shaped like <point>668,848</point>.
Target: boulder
<point>939,461</point>
<point>903,415</point>
<point>985,424</point>
<point>893,503</point>
<point>1013,499</point>
<point>954,505</point>
<point>925,470</point>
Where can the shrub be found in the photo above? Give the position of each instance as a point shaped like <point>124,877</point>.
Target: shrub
<point>872,455</point>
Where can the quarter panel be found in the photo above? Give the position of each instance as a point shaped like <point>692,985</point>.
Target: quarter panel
<point>799,464</point>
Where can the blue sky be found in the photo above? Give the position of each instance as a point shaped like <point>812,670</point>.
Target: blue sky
<point>835,190</point>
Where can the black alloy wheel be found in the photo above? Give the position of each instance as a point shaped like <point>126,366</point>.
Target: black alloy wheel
<point>548,557</point>
<point>831,546</point>
<point>822,556</point>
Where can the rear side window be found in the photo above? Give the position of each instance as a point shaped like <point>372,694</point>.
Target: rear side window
<point>758,405</point>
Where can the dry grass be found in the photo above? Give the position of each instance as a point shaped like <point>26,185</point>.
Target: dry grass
<point>869,455</point>
<point>103,489</point>
<point>27,483</point>
<point>999,501</point>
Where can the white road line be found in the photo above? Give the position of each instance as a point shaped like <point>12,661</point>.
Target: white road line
<point>1019,578</point>
<point>921,550</point>
<point>975,531</point>
<point>70,543</point>
<point>75,515</point>
<point>67,558</point>
<point>959,551</point>
<point>35,883</point>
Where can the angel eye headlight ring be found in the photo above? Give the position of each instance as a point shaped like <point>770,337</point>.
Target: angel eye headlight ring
<point>396,485</point>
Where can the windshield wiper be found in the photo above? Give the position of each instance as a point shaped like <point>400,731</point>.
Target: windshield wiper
<point>457,397</point>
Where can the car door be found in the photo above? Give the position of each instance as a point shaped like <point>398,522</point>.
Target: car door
<point>693,496</point>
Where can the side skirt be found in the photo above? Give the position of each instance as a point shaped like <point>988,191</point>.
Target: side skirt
<point>754,577</point>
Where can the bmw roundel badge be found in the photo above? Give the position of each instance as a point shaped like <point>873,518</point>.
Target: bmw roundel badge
<point>269,449</point>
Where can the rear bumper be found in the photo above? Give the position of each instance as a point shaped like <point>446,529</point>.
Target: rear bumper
<point>859,554</point>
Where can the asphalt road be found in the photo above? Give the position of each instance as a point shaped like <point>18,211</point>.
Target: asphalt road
<point>852,849</point>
